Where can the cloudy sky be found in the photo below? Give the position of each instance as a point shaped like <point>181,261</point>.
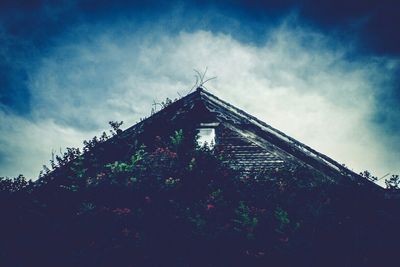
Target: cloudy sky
<point>326,74</point>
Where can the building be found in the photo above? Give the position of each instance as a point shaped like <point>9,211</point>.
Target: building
<point>252,144</point>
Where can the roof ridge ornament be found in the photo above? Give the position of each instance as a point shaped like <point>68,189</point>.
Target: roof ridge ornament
<point>200,80</point>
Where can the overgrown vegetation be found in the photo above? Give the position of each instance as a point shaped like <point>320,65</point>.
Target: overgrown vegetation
<point>176,204</point>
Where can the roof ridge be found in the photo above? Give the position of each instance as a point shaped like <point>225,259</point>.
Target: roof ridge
<point>174,103</point>
<point>279,134</point>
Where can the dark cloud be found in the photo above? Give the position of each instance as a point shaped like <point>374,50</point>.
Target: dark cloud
<point>374,22</point>
<point>29,28</point>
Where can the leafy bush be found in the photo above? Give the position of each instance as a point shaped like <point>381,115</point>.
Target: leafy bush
<point>120,203</point>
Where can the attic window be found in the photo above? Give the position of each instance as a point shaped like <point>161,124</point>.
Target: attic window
<point>206,134</point>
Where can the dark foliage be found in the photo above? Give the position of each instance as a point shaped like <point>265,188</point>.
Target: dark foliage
<point>170,203</point>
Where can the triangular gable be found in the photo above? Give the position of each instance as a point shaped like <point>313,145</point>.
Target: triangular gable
<point>262,145</point>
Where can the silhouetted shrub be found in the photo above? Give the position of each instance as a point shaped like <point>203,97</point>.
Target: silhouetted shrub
<point>176,204</point>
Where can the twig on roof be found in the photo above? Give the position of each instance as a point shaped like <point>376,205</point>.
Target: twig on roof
<point>200,79</point>
<point>383,176</point>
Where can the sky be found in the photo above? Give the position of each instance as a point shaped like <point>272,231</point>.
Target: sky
<point>323,72</point>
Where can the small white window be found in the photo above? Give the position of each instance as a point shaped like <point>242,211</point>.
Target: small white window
<point>206,136</point>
